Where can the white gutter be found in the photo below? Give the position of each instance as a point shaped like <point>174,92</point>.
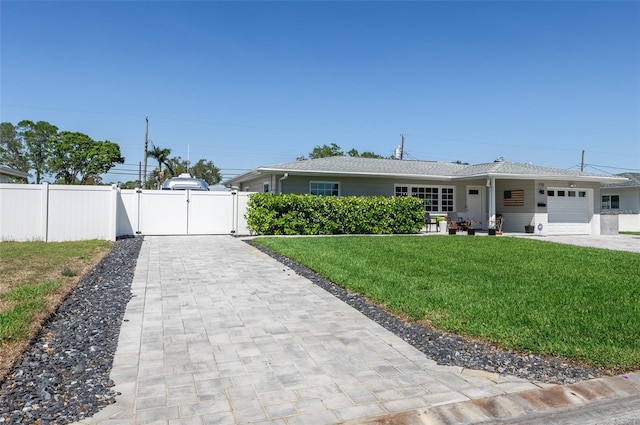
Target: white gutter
<point>286,176</point>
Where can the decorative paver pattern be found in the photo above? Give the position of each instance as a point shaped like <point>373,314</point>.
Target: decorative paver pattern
<point>220,333</point>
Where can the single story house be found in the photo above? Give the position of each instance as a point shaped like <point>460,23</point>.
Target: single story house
<point>555,201</point>
<point>7,174</point>
<point>623,199</point>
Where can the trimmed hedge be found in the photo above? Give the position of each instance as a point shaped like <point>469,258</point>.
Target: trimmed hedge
<point>291,214</point>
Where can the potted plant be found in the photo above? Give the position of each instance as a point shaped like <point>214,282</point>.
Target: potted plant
<point>471,226</point>
<point>453,227</point>
<point>495,228</point>
<point>529,228</point>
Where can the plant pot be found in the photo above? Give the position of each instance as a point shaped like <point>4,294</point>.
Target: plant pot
<point>452,231</point>
<point>529,228</point>
<point>471,232</point>
<point>492,232</point>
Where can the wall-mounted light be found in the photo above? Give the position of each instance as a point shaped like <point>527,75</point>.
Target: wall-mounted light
<point>572,185</point>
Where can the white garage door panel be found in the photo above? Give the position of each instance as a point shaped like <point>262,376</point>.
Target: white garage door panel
<point>568,214</point>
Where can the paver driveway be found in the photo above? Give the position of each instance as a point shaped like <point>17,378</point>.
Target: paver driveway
<point>220,333</point>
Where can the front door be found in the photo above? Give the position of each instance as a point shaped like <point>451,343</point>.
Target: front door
<point>476,206</point>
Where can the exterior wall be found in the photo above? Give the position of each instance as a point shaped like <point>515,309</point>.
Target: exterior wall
<point>535,204</point>
<point>534,208</point>
<point>516,217</point>
<point>629,222</point>
<point>629,198</point>
<point>629,211</point>
<point>257,184</point>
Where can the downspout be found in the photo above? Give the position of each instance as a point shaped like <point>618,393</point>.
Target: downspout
<point>286,175</point>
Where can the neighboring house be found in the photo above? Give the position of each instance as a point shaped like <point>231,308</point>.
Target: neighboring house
<point>623,200</point>
<point>7,174</point>
<point>556,201</point>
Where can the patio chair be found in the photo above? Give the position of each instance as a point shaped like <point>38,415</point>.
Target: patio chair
<point>429,221</point>
<point>452,220</point>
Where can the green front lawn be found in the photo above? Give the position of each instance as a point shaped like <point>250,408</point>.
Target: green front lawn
<point>35,277</point>
<point>529,295</point>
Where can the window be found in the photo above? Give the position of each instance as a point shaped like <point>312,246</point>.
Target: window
<point>572,194</point>
<point>435,199</point>
<point>265,187</point>
<point>610,202</point>
<point>429,196</point>
<point>324,188</point>
<point>561,193</point>
<point>402,190</point>
<point>447,199</point>
<point>582,194</point>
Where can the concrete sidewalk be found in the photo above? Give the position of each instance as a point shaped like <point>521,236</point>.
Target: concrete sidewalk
<point>220,333</point>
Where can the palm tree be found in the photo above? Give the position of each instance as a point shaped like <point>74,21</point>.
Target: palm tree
<point>161,155</point>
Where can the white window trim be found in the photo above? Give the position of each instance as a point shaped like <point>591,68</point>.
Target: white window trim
<point>436,186</point>
<point>610,204</point>
<point>326,182</point>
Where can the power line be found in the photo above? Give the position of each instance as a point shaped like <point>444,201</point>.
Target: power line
<point>613,168</point>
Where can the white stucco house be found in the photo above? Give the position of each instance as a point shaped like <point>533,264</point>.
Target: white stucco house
<point>623,199</point>
<point>555,201</point>
<point>7,174</point>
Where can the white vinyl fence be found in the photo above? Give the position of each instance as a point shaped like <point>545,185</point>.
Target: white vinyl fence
<point>64,213</point>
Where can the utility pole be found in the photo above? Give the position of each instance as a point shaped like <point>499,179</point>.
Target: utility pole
<point>146,148</point>
<point>402,148</point>
<point>582,161</point>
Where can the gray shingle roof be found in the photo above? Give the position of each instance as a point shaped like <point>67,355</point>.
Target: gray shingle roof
<point>357,166</point>
<point>369,166</point>
<point>634,180</point>
<point>519,169</point>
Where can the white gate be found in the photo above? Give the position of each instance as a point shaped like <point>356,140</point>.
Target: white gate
<point>183,212</point>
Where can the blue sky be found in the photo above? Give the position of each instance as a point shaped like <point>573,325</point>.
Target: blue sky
<point>245,84</point>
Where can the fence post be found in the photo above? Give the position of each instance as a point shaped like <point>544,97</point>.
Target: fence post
<point>44,211</point>
<point>234,212</point>
<point>113,220</point>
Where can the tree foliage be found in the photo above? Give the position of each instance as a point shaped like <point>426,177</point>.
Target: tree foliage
<point>70,157</point>
<point>78,159</point>
<point>161,155</point>
<point>12,150</point>
<point>38,138</point>
<point>203,169</point>
<point>333,149</point>
<point>365,154</point>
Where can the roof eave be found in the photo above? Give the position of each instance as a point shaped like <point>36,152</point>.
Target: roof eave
<point>330,173</point>
<point>593,179</point>
<point>14,173</point>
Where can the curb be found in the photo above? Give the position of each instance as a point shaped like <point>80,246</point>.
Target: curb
<point>522,405</point>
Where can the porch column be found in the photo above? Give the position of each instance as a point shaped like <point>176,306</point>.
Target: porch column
<point>491,186</point>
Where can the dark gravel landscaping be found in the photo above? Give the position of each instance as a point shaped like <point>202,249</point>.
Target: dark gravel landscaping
<point>64,376</point>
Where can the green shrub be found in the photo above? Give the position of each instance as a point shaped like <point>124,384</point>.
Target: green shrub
<point>291,214</point>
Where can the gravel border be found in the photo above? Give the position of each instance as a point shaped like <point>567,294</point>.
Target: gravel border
<point>448,349</point>
<point>63,376</point>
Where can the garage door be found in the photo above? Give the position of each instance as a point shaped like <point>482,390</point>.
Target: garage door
<point>569,211</point>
